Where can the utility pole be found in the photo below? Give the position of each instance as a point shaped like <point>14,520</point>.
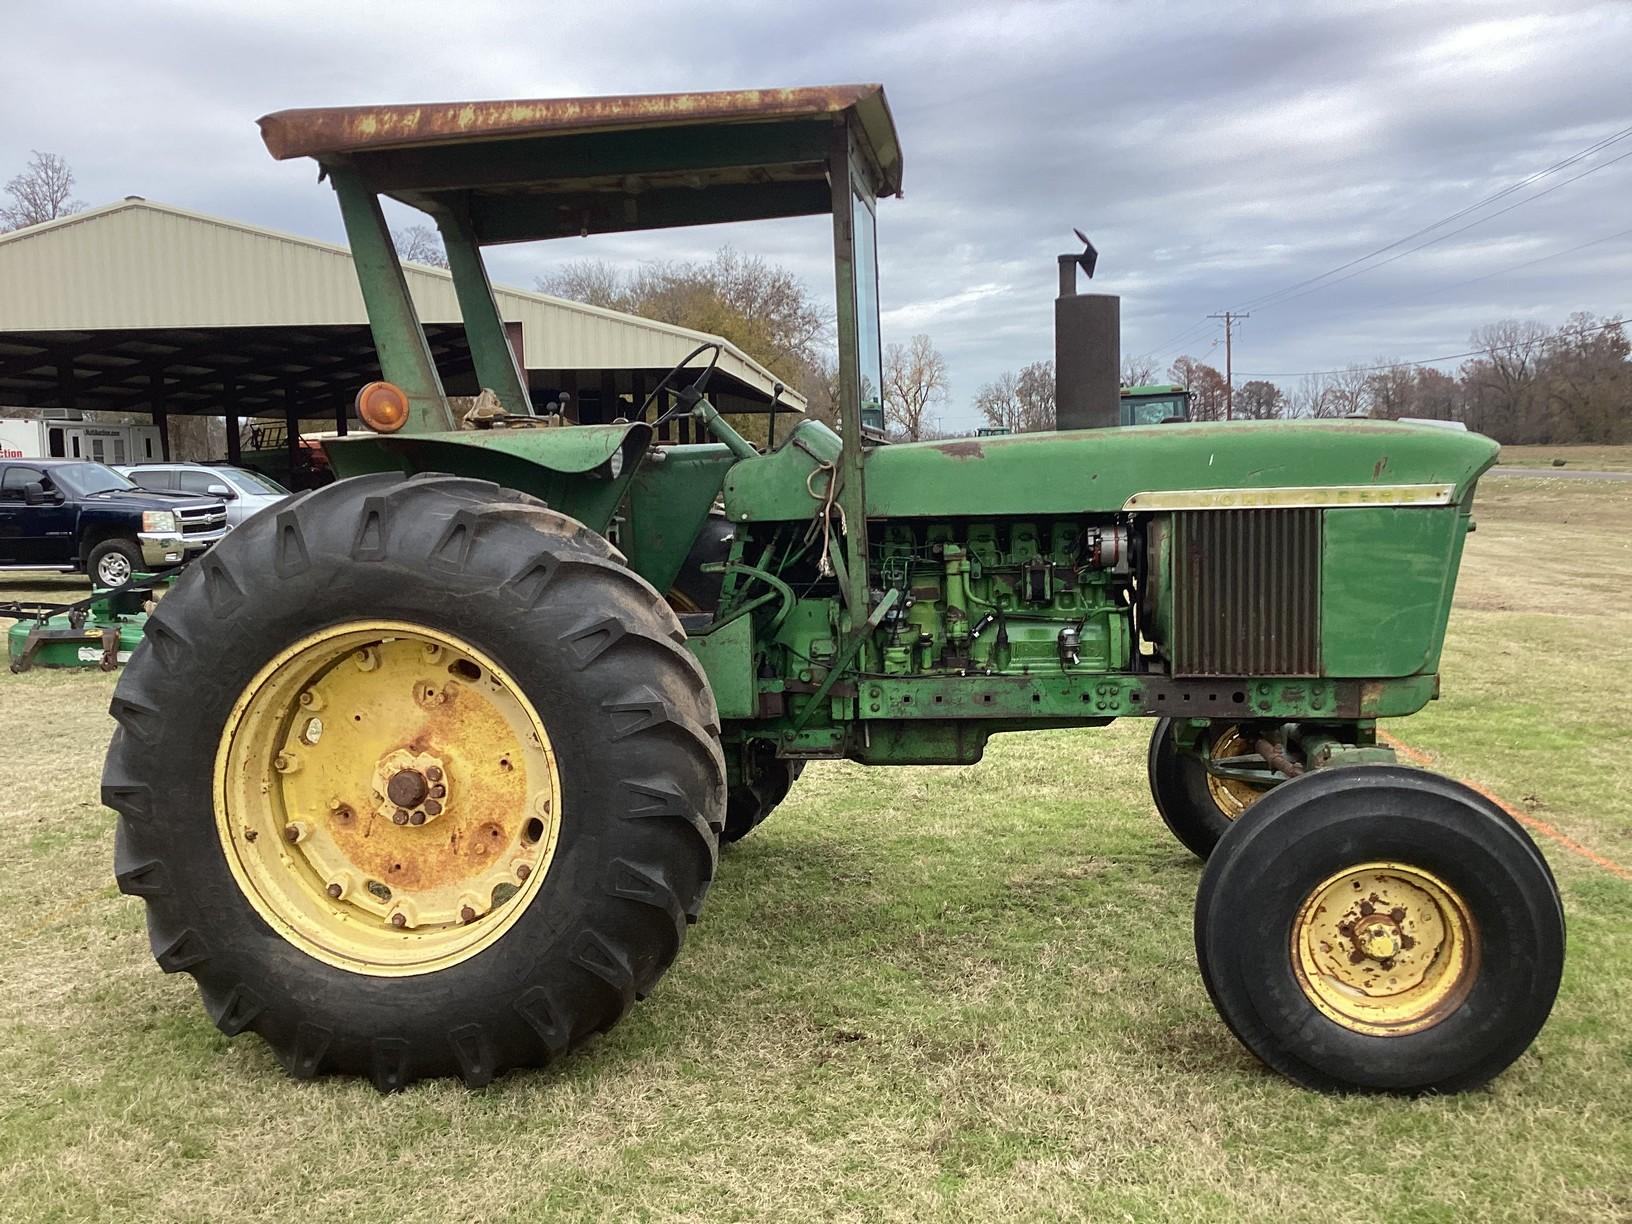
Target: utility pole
<point>1229,317</point>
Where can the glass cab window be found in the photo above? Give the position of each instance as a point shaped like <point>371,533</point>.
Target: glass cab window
<point>869,348</point>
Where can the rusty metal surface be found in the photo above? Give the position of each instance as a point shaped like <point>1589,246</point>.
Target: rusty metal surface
<point>1246,588</point>
<point>326,131</point>
<point>1275,757</point>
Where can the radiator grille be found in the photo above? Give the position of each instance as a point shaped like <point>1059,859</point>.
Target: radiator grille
<point>1246,593</point>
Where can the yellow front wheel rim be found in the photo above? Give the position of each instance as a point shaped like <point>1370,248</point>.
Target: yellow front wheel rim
<point>1385,948</point>
<point>387,797</point>
<point>1232,796</point>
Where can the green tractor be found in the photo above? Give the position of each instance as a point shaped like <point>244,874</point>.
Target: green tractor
<point>425,772</point>
<point>1155,404</point>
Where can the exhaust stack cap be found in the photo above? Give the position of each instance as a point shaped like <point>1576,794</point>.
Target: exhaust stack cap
<point>1086,260</point>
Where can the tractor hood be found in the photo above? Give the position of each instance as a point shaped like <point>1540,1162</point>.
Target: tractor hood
<point>1154,467</point>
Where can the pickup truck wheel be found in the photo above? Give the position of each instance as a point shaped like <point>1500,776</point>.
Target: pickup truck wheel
<point>415,779</point>
<point>1197,807</point>
<point>112,563</point>
<point>1380,928</point>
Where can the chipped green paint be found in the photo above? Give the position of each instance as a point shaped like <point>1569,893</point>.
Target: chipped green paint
<point>1101,469</point>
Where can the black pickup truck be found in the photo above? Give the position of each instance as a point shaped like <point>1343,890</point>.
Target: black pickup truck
<point>68,514</point>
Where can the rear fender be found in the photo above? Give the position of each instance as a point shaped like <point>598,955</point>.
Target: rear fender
<point>581,470</point>
<point>651,503</point>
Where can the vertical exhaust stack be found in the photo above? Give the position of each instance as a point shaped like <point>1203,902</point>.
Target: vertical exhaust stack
<point>1087,348</point>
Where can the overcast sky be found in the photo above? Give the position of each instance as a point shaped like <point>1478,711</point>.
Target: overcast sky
<point>1214,153</point>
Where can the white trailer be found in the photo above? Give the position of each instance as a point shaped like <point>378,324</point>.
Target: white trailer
<point>56,438</point>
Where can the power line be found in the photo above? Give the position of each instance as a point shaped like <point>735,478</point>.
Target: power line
<point>1452,234</point>
<point>1275,296</point>
<point>1519,267</point>
<point>1177,338</point>
<point>1529,263</point>
<point>1400,365</point>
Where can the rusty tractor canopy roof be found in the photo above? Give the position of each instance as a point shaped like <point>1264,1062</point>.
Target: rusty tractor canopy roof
<point>560,167</point>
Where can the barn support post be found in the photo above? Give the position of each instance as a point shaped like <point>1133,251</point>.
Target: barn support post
<point>637,394</point>
<point>67,384</point>
<point>229,401</point>
<point>291,420</point>
<point>160,415</point>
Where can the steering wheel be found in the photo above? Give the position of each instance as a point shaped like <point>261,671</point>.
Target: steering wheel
<point>691,394</point>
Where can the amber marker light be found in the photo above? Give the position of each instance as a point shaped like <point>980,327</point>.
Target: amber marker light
<point>383,407</point>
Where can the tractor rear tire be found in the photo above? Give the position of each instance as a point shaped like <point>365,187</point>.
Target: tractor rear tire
<point>1383,929</point>
<point>1197,808</point>
<point>529,638</point>
<point>747,804</point>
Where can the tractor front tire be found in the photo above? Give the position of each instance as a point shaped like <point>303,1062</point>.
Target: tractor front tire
<point>416,779</point>
<point>748,803</point>
<point>1378,928</point>
<point>1196,807</point>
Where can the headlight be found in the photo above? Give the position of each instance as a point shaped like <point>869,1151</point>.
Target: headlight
<point>159,521</point>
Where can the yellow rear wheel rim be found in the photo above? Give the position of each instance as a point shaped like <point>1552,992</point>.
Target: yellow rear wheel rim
<point>1385,948</point>
<point>387,797</point>
<point>1231,795</point>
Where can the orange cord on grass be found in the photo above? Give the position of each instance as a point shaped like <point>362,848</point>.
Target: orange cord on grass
<point>1417,757</point>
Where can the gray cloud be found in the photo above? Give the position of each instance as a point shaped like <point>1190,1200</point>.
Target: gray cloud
<point>1215,152</point>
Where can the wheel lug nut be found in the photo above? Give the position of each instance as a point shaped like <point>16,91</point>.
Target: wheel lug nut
<point>434,773</point>
<point>291,834</point>
<point>418,818</point>
<point>523,871</point>
<point>432,808</point>
<point>439,792</point>
<point>334,890</point>
<point>467,914</point>
<point>400,816</point>
<point>399,920</point>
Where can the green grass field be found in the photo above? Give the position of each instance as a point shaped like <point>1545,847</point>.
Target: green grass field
<point>1587,458</point>
<point>916,994</point>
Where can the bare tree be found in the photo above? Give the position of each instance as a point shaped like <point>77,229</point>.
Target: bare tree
<point>999,403</point>
<point>1206,387</point>
<point>1312,397</point>
<point>420,244</point>
<point>594,282</point>
<point>1019,403</point>
<point>42,192</point>
<point>1392,391</point>
<point>820,383</point>
<point>1586,379</point>
<point>1138,371</point>
<point>1528,383</point>
<point>1259,400</point>
<point>914,381</point>
<point>1348,392</point>
<point>1501,384</point>
<point>1035,391</point>
<point>1436,395</point>
<point>762,308</point>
